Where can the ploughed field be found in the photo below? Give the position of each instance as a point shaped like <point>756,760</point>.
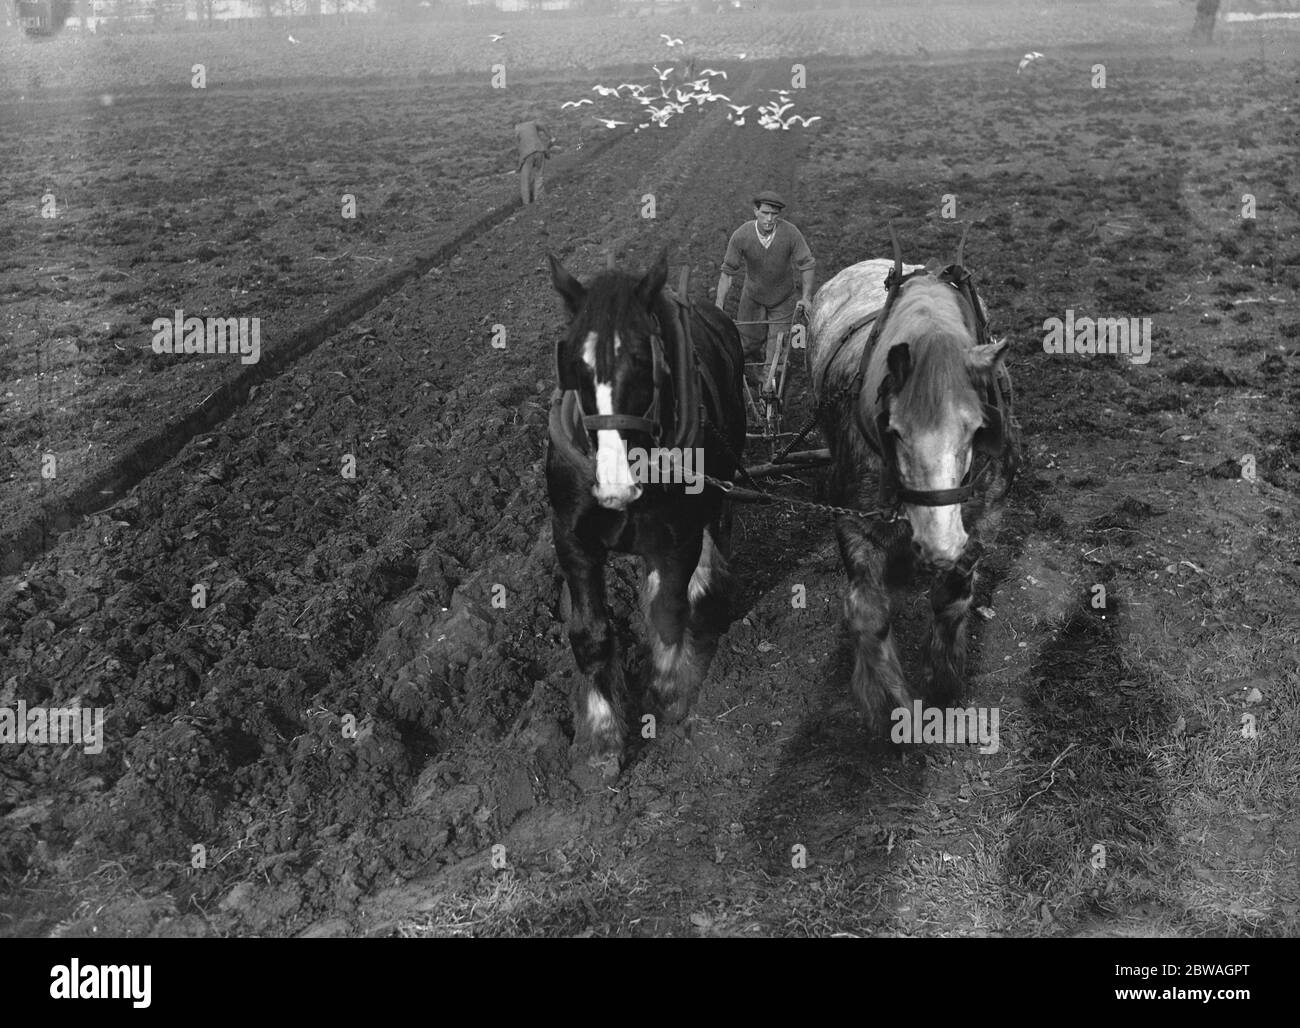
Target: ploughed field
<point>366,727</point>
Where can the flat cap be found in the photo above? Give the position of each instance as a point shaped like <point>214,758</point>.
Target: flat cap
<point>767,196</point>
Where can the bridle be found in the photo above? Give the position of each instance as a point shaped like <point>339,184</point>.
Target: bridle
<point>680,380</point>
<point>988,441</point>
<point>650,422</point>
<point>991,439</point>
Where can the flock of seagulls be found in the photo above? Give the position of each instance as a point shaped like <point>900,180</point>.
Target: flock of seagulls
<point>678,90</point>
<point>770,114</point>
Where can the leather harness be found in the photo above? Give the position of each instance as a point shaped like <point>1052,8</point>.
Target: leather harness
<point>993,439</point>
<point>570,426</point>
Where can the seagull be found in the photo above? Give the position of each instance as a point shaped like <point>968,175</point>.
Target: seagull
<point>662,74</point>
<point>496,37</point>
<point>805,122</point>
<point>1027,60</point>
<point>774,121</point>
<point>575,103</point>
<point>738,109</point>
<point>292,40</point>
<point>717,96</point>
<point>778,111</point>
<point>736,121</point>
<point>710,71</point>
<point>604,90</point>
<point>610,123</point>
<point>631,87</point>
<point>669,39</point>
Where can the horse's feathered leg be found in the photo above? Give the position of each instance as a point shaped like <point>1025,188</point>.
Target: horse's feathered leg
<point>603,698</point>
<point>677,668</point>
<point>878,683</point>
<point>945,657</point>
<point>709,586</point>
<point>709,593</point>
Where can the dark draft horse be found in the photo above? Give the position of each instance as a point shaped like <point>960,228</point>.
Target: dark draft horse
<point>920,392</point>
<point>642,372</point>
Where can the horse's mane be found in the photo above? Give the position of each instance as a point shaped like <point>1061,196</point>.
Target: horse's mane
<point>929,318</point>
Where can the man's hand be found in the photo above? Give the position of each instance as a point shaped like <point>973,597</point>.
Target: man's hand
<point>802,308</point>
<point>724,287</point>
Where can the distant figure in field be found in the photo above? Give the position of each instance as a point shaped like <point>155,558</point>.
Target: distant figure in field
<point>771,251</point>
<point>1207,11</point>
<point>534,149</point>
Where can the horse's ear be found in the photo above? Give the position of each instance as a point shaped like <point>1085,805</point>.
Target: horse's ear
<point>985,358</point>
<point>649,288</point>
<point>899,362</point>
<point>566,285</point>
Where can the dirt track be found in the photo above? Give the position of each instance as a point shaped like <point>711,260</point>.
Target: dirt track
<point>372,598</point>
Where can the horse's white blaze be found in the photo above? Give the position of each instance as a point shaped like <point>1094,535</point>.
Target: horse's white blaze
<point>939,532</point>
<point>651,586</point>
<point>615,488</point>
<point>935,466</point>
<point>702,576</point>
<point>600,715</point>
